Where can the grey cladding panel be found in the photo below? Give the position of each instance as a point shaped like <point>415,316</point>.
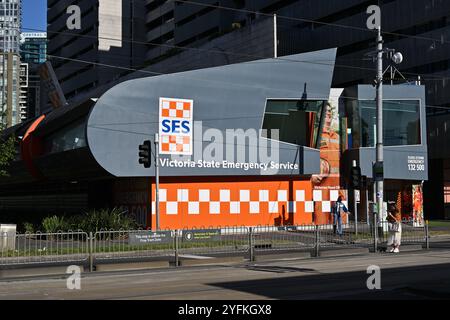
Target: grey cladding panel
<point>228,97</point>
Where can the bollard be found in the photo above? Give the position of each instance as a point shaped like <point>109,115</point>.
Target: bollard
<point>91,256</point>
<point>251,246</point>
<point>317,240</point>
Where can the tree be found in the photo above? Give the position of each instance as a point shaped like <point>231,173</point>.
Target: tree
<point>7,151</point>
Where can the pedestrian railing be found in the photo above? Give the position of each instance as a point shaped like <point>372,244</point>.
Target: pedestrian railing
<point>38,248</point>
<point>410,234</point>
<point>117,245</point>
<point>329,238</point>
<point>212,241</point>
<point>110,245</point>
<point>268,238</point>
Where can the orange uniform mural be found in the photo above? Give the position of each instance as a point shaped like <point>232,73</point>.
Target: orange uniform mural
<point>330,155</point>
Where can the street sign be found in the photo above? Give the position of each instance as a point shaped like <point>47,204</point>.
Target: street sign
<point>201,235</point>
<point>149,237</point>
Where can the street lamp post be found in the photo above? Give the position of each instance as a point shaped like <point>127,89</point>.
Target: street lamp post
<point>379,183</point>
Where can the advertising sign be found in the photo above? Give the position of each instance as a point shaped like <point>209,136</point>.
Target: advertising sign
<point>417,194</point>
<point>330,155</point>
<point>176,126</point>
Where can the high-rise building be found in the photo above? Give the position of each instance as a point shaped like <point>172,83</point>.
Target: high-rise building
<point>172,24</point>
<point>10,24</point>
<point>23,93</point>
<point>309,25</point>
<point>112,33</point>
<point>33,50</point>
<point>33,47</point>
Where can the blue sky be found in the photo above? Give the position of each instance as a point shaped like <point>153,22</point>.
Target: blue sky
<point>34,15</point>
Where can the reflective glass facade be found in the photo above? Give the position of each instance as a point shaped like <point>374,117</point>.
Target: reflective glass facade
<point>298,121</point>
<point>401,122</point>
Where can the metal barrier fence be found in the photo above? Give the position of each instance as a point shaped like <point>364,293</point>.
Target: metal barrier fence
<point>229,240</point>
<point>113,245</point>
<point>105,246</point>
<point>269,238</point>
<point>409,233</point>
<point>39,248</point>
<point>353,235</point>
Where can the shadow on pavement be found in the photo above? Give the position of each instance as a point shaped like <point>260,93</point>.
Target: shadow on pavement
<point>421,282</point>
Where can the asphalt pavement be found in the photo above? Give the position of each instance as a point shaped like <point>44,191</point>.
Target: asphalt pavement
<point>408,275</point>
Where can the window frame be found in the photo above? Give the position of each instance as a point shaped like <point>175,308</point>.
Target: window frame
<point>421,117</point>
<point>321,121</point>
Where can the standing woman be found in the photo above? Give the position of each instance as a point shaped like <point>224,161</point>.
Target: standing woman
<point>395,229</point>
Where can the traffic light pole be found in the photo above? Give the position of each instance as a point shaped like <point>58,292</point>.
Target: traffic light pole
<point>157,180</point>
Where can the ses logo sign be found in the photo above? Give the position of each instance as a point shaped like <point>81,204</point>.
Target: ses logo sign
<point>175,126</point>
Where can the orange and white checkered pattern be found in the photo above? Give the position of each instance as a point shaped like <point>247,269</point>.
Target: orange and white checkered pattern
<point>245,201</point>
<point>176,109</point>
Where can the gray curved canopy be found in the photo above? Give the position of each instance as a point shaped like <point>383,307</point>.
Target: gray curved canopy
<point>227,97</point>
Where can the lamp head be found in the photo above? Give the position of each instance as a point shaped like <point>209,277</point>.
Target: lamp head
<point>397,58</point>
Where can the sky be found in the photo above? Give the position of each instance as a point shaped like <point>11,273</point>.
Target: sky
<point>34,15</point>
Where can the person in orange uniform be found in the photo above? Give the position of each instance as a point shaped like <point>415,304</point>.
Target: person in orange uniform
<point>329,159</point>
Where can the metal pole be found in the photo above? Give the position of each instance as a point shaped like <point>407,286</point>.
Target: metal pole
<point>275,36</point>
<point>375,231</point>
<point>367,205</point>
<point>91,257</point>
<point>356,217</point>
<point>317,240</point>
<point>176,249</point>
<point>250,242</point>
<point>157,179</point>
<point>427,236</point>
<point>379,148</point>
<point>355,202</point>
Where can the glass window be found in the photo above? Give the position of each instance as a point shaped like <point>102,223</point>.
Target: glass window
<point>69,138</point>
<point>298,121</point>
<point>401,122</point>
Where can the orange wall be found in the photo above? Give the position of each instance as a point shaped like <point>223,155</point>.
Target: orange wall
<point>199,204</point>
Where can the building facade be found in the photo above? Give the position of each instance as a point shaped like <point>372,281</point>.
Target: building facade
<point>314,25</point>
<point>10,24</point>
<point>419,29</point>
<point>34,53</point>
<point>111,34</point>
<point>302,26</point>
<point>239,145</point>
<point>33,47</point>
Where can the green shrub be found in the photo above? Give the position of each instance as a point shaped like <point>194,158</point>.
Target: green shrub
<point>106,219</point>
<point>92,221</point>
<point>54,224</point>
<point>28,227</point>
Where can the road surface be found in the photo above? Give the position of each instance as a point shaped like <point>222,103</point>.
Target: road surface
<point>415,275</point>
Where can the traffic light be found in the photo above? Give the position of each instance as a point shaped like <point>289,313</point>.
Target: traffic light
<point>145,154</point>
<point>355,178</point>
